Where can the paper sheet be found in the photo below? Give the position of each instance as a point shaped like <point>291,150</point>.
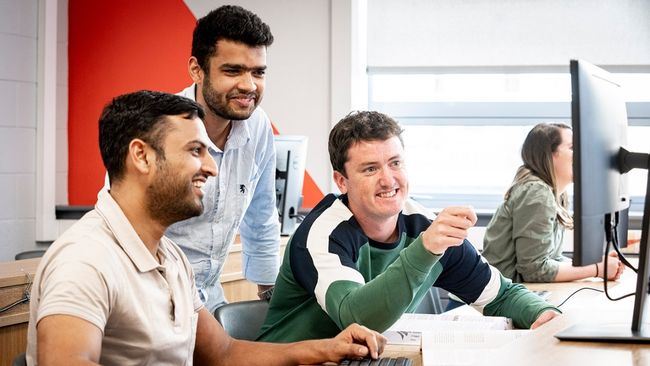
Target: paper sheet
<point>427,322</point>
<point>463,347</point>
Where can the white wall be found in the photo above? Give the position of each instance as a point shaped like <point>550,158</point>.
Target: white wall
<point>18,73</point>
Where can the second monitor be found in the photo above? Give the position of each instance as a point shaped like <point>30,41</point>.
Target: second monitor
<point>289,176</point>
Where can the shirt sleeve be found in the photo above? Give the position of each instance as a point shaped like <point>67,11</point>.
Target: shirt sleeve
<point>87,297</point>
<point>534,217</point>
<point>467,275</point>
<point>516,302</point>
<point>348,301</point>
<point>260,228</point>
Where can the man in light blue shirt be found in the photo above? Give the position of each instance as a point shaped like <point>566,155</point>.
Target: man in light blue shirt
<point>227,66</point>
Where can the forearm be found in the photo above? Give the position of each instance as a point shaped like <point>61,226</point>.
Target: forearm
<point>369,304</point>
<point>272,354</point>
<point>516,302</point>
<point>567,272</point>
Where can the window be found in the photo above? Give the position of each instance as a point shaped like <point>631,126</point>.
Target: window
<point>463,131</point>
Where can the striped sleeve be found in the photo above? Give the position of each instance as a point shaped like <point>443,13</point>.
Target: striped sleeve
<point>326,265</point>
<point>467,275</point>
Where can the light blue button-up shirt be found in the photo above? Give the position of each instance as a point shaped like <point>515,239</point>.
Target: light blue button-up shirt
<point>242,196</point>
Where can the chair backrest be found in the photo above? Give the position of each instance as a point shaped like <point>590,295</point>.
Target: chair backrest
<point>19,360</point>
<point>431,303</point>
<point>243,319</point>
<point>29,254</point>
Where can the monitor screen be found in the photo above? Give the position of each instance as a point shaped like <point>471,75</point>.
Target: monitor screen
<point>599,121</point>
<point>291,154</point>
<point>600,161</point>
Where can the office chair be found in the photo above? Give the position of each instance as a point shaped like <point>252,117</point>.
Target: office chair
<point>30,254</point>
<point>243,319</point>
<point>19,360</point>
<point>431,303</point>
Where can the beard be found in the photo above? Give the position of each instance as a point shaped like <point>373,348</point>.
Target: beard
<point>218,102</point>
<point>170,197</point>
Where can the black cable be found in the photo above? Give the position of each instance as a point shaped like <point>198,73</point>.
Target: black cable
<point>621,256</point>
<point>605,280</point>
<point>14,304</point>
<point>24,299</point>
<point>578,290</point>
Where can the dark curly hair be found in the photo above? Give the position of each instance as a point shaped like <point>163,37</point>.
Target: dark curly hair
<point>229,22</point>
<point>359,126</point>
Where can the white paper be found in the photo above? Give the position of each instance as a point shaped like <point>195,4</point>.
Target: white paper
<point>429,322</point>
<point>463,347</point>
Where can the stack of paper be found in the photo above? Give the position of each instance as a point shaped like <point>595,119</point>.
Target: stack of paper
<point>448,339</point>
<point>404,340</point>
<point>428,322</point>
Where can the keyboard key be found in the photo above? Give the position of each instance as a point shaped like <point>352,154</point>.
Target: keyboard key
<point>382,361</point>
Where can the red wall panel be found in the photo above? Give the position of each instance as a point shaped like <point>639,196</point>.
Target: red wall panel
<point>115,47</point>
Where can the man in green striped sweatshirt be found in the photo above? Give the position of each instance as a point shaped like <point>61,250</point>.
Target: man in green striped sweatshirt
<point>371,254</point>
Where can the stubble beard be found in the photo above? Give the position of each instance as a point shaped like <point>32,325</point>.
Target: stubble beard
<point>218,103</point>
<point>170,199</point>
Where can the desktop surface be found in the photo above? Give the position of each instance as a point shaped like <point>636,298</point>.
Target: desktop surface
<point>586,308</point>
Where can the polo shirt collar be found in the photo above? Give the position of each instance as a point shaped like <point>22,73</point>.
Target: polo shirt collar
<point>125,234</point>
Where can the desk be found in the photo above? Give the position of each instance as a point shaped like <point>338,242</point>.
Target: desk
<point>14,278</point>
<point>540,347</point>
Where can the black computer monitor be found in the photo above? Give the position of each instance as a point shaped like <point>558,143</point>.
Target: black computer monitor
<point>599,121</point>
<point>600,164</point>
<point>291,153</point>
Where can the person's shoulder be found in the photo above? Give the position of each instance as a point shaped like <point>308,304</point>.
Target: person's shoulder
<point>326,216</point>
<point>89,242</point>
<point>532,188</point>
<point>331,208</point>
<point>532,193</point>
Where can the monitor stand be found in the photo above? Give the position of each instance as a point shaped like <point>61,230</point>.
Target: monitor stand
<point>634,332</point>
<point>609,333</point>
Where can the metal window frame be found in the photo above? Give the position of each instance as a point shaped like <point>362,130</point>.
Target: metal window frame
<point>493,114</point>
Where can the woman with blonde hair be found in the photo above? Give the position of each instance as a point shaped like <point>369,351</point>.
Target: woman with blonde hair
<point>524,238</point>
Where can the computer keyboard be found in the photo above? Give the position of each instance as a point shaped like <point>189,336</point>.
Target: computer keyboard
<point>382,361</point>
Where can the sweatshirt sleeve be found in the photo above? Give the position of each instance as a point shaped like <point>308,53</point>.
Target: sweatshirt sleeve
<point>467,275</point>
<point>380,302</point>
<point>516,302</point>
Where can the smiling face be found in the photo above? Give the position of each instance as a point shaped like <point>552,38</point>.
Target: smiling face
<point>234,84</point>
<point>175,191</point>
<point>376,182</point>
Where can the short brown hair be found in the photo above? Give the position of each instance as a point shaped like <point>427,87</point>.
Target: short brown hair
<point>359,126</point>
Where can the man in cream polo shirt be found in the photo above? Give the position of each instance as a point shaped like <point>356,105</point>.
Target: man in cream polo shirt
<point>113,290</point>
